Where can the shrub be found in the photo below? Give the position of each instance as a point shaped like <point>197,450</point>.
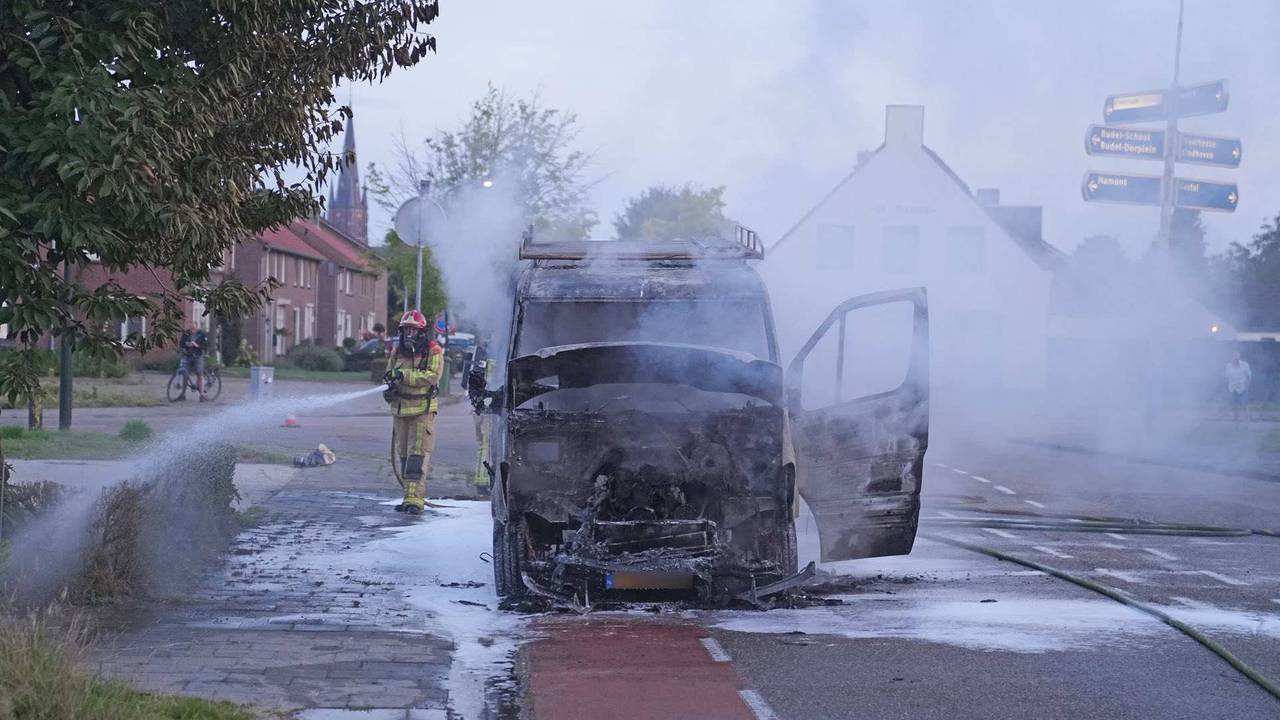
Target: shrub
<point>245,356</point>
<point>10,432</point>
<point>349,344</point>
<point>86,365</point>
<point>160,362</point>
<point>135,431</point>
<point>310,357</point>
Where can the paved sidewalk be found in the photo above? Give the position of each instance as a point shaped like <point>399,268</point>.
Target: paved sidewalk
<point>282,624</point>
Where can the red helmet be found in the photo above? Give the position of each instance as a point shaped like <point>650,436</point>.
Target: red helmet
<point>413,318</point>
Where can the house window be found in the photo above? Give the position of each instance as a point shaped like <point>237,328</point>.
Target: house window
<point>310,321</point>
<point>835,247</point>
<point>965,250</point>
<point>900,250</point>
<point>301,280</point>
<point>198,315</point>
<point>134,324</point>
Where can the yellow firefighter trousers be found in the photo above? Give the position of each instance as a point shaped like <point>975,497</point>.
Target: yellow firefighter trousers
<point>415,439</point>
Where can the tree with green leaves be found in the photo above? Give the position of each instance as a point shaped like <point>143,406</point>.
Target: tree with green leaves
<point>402,275</point>
<point>1248,277</point>
<point>663,213</point>
<point>528,149</point>
<point>144,134</point>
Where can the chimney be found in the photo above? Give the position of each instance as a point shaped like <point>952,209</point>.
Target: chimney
<point>988,197</point>
<point>904,125</point>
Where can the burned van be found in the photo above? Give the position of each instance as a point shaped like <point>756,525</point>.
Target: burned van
<point>644,436</point>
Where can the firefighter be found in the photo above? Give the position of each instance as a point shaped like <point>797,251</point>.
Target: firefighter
<point>413,378</point>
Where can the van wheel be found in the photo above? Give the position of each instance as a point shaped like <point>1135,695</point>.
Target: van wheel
<point>508,554</point>
<point>783,547</point>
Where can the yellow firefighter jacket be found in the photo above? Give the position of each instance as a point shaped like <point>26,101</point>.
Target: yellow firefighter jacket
<point>418,383</point>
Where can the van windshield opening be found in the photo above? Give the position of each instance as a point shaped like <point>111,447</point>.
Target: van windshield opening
<point>737,324</point>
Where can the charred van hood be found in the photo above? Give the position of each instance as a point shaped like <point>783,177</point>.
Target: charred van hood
<point>587,364</point>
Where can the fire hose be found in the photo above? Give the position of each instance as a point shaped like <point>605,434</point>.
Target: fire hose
<point>1057,523</point>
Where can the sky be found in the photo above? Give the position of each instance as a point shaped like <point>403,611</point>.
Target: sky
<point>774,100</point>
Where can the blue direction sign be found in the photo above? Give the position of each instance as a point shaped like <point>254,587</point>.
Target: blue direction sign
<point>1121,188</point>
<point>1145,190</point>
<point>1158,105</point>
<point>1124,142</point>
<point>1205,195</point>
<point>1207,150</point>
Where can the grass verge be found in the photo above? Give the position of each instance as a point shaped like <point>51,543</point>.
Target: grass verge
<point>292,373</point>
<point>22,444</point>
<point>39,678</point>
<point>94,398</point>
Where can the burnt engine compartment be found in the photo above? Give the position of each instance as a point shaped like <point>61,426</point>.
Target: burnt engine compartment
<point>691,505</point>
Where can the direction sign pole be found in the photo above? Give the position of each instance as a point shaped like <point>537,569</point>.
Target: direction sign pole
<point>1171,145</point>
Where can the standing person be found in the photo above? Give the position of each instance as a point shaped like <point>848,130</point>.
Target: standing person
<point>1239,376</point>
<point>413,378</point>
<point>193,344</point>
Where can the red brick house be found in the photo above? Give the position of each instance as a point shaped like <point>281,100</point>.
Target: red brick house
<point>353,283</point>
<point>290,316</point>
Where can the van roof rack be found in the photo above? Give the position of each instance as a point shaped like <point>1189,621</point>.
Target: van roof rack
<point>744,245</point>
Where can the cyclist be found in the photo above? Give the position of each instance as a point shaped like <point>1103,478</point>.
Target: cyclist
<point>193,344</point>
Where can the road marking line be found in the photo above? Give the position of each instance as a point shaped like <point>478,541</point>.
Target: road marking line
<point>716,652</point>
<point>1224,579</point>
<point>1117,536</point>
<point>1161,554</point>
<point>962,472</point>
<point>1051,551</point>
<point>1005,490</point>
<point>758,706</point>
<point>1001,533</point>
<point>1120,575</point>
<point>1112,546</point>
<point>980,479</point>
<point>1034,504</point>
<point>944,467</point>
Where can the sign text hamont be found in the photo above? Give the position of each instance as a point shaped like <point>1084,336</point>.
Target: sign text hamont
<point>1145,190</point>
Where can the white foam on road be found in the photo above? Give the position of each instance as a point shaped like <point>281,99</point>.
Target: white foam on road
<point>1005,490</point>
<point>1034,504</point>
<point>980,479</point>
<point>444,546</point>
<point>1001,533</point>
<point>1161,554</point>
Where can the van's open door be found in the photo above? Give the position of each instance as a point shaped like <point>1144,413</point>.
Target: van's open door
<point>858,397</point>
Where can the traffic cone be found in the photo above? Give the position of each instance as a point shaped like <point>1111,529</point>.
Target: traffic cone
<point>291,421</point>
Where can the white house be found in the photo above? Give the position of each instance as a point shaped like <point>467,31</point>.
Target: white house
<point>902,219</point>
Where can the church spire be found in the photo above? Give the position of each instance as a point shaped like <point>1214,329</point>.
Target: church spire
<point>349,210</point>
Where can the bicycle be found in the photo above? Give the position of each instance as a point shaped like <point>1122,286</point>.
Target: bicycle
<point>184,380</point>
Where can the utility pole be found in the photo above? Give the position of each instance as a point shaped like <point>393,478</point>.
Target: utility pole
<point>1168,194</point>
<point>64,360</point>
<point>424,187</point>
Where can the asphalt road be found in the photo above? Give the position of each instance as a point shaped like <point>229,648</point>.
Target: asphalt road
<point>941,633</point>
<point>948,633</point>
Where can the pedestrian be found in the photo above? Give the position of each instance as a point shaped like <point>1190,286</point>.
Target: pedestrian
<point>1239,376</point>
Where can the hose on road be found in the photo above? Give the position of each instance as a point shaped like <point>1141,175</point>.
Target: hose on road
<point>1051,522</point>
<point>1261,681</point>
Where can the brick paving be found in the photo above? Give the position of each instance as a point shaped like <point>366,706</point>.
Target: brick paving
<point>273,627</point>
